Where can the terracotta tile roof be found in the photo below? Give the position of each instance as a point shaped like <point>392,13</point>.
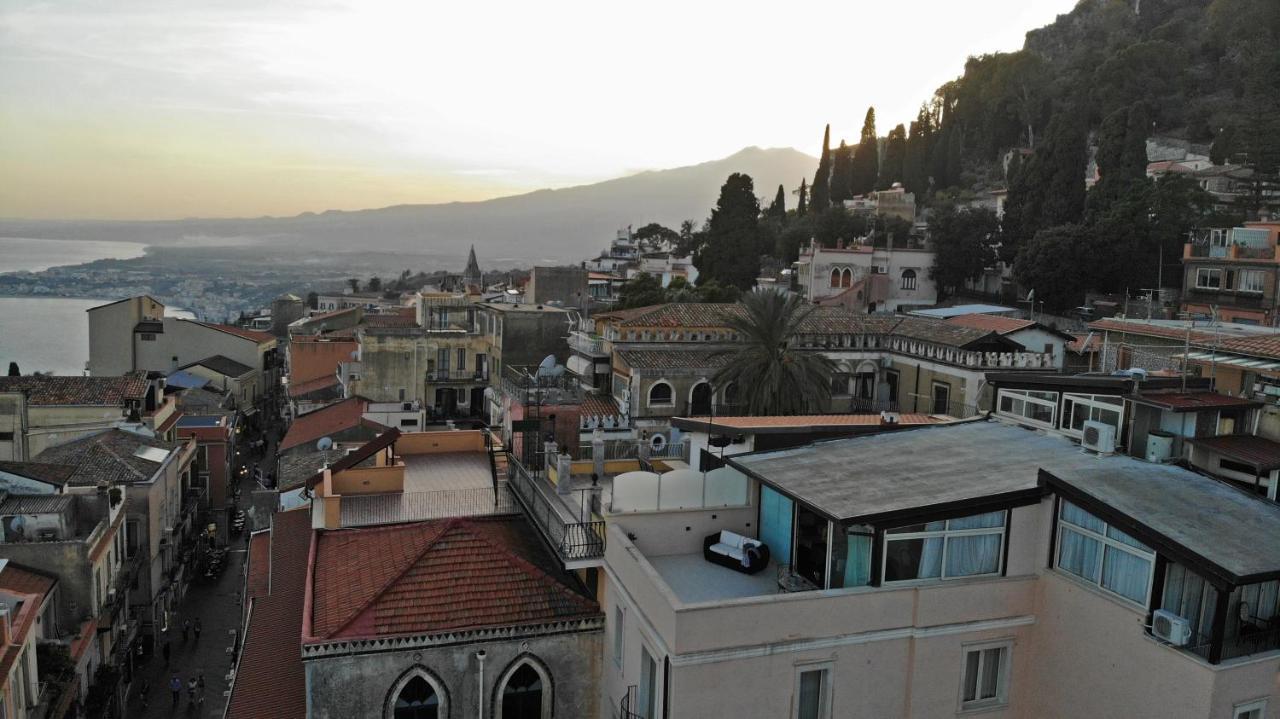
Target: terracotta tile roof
<point>344,415</point>
<point>254,335</point>
<point>444,575</point>
<point>1091,342</point>
<point>297,467</point>
<point>674,359</point>
<point>991,323</point>
<point>594,405</point>
<point>80,391</point>
<point>222,365</point>
<point>270,681</point>
<point>25,580</point>
<point>1150,330</point>
<point>1256,451</point>
<point>676,314</point>
<point>109,456</point>
<point>23,620</point>
<point>1267,346</point>
<point>842,321</point>
<point>258,583</point>
<point>35,503</point>
<point>55,474</point>
<point>313,385</point>
<point>944,333</point>
<point>1193,401</point>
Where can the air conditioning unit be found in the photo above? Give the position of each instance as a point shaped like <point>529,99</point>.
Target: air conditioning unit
<point>1099,437</point>
<point>1170,627</point>
<point>880,269</point>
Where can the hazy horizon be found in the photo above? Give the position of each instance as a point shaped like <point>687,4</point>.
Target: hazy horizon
<point>147,110</point>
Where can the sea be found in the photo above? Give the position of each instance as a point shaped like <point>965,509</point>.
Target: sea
<point>50,334</point>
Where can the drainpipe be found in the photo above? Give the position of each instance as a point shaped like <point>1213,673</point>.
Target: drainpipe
<point>480,659</point>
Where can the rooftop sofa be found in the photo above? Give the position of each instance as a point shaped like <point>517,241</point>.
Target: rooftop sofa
<point>735,551</point>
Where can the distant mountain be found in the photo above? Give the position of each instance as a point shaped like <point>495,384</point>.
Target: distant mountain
<point>565,225</point>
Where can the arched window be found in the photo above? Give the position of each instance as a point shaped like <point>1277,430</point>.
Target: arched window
<point>700,399</point>
<point>417,695</point>
<point>846,279</point>
<point>835,277</point>
<point>417,700</point>
<point>731,394</point>
<point>660,393</point>
<point>908,279</point>
<point>524,691</point>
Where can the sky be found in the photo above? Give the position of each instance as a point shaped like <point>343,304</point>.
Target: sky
<point>138,109</point>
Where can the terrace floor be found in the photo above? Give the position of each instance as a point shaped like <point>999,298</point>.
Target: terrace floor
<point>448,470</point>
<point>694,579</point>
<point>452,484</point>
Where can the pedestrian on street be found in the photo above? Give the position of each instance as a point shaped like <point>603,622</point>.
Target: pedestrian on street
<point>165,650</point>
<point>200,689</point>
<point>186,629</point>
<point>175,688</point>
<point>197,630</point>
<point>144,692</point>
<point>191,691</point>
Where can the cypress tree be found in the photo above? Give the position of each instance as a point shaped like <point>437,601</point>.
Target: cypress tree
<point>841,174</point>
<point>820,194</point>
<point>915,170</point>
<point>778,210</point>
<point>895,156</point>
<point>802,205</point>
<point>866,159</point>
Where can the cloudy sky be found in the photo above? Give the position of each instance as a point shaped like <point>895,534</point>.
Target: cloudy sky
<point>176,108</point>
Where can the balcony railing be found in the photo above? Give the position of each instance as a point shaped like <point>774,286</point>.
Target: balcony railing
<point>630,703</point>
<point>1254,638</point>
<point>630,449</point>
<point>572,540</point>
<point>587,344</point>
<point>458,375</point>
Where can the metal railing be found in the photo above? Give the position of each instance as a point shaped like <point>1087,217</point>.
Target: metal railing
<point>571,540</point>
<point>1260,636</point>
<point>630,449</point>
<point>458,375</point>
<point>586,343</point>
<point>629,704</point>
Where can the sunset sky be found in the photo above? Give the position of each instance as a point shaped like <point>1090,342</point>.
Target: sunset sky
<point>166,109</point>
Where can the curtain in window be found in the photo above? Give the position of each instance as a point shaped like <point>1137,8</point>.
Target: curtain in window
<point>978,521</point>
<point>967,556</point>
<point>931,558</point>
<point>775,524</point>
<point>810,694</point>
<point>1079,554</point>
<point>857,567</point>
<point>1126,574</point>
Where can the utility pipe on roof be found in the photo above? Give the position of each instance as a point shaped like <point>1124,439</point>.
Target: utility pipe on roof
<point>480,658</point>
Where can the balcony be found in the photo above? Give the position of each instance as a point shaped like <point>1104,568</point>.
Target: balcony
<point>1225,297</point>
<point>1202,250</point>
<point>459,376</point>
<point>578,543</point>
<point>587,344</point>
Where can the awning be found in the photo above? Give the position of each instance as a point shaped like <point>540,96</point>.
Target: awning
<point>1231,360</point>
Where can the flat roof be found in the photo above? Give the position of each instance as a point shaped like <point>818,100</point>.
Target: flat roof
<point>797,423</point>
<point>1211,526</point>
<point>1193,401</point>
<point>979,309</point>
<point>1258,452</point>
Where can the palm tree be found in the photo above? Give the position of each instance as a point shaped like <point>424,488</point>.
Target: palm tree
<point>773,375</point>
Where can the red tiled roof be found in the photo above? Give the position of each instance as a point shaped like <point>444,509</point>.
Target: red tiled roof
<point>1193,401</point>
<point>254,335</point>
<point>311,426</point>
<point>1257,451</point>
<point>81,391</point>
<point>311,385</point>
<point>594,405</point>
<point>270,682</point>
<point>426,577</point>
<point>1091,342</point>
<point>1149,330</point>
<point>1267,346</point>
<point>991,323</point>
<point>24,580</point>
<point>259,580</point>
<point>676,314</point>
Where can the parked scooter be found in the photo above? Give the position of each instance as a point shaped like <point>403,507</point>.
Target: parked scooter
<point>237,522</point>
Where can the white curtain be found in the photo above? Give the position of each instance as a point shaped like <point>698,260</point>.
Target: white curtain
<point>1126,574</point>
<point>978,554</point>
<point>1079,554</point>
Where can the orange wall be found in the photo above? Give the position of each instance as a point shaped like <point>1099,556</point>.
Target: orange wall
<point>436,442</point>
<point>312,360</point>
<point>369,480</point>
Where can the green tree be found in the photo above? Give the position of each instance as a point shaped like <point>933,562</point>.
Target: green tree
<point>963,246</point>
<point>374,284</point>
<point>841,174</point>
<point>690,238</point>
<point>1054,264</point>
<point>866,158</point>
<point>895,156</point>
<point>732,250</point>
<point>802,204</point>
<point>313,300</point>
<point>778,209</point>
<point>13,370</point>
<point>654,236</point>
<point>774,376</point>
<point>915,164</point>
<point>354,284</point>
<point>820,192</point>
<point>715,292</point>
<point>641,291</point>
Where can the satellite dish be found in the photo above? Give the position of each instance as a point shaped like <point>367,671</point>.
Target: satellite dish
<point>547,363</point>
<point>324,443</point>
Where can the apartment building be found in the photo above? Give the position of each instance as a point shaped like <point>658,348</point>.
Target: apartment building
<point>866,278</point>
<point>39,411</point>
<point>134,334</point>
<point>25,596</point>
<point>1231,274</point>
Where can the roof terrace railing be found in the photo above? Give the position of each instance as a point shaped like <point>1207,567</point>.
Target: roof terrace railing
<point>586,343</point>
<point>572,540</point>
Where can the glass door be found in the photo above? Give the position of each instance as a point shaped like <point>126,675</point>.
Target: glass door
<point>647,697</point>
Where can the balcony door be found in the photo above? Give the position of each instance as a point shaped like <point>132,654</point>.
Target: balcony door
<point>776,515</point>
<point>647,692</point>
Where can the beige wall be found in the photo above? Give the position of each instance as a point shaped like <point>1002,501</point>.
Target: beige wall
<point>436,442</point>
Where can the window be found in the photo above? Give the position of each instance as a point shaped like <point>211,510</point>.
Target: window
<point>1252,710</point>
<point>417,695</point>
<point>525,693</point>
<point>1029,406</point>
<point>1103,555</point>
<point>840,383</point>
<point>813,692</point>
<point>131,538</point>
<point>1252,280</point>
<point>962,547</point>
<point>1208,278</point>
<point>908,279</point>
<point>846,278</point>
<point>6,436</point>
<point>660,393</point>
<point>1080,408</point>
<point>619,638</point>
<point>647,691</point>
<point>462,359</point>
<point>147,337</point>
<point>941,398</point>
<point>985,682</point>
